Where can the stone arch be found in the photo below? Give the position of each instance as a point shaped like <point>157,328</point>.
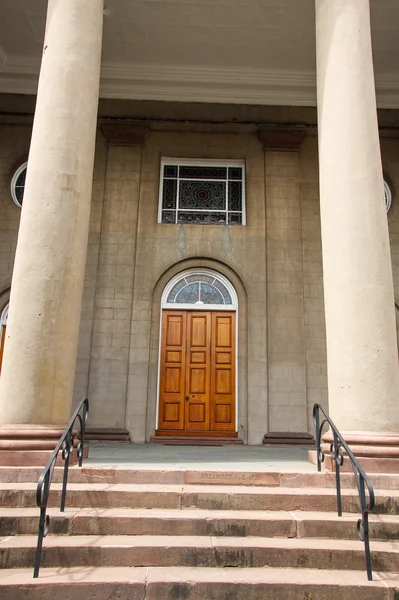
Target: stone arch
<point>236,282</point>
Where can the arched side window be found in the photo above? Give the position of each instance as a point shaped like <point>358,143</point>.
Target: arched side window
<point>18,184</point>
<point>387,195</point>
<point>3,327</point>
<point>202,288</point>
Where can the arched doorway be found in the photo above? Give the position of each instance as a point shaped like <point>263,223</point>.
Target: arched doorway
<point>3,327</point>
<point>197,361</point>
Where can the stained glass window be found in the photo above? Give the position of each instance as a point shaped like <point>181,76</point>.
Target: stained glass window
<point>18,185</point>
<point>199,289</point>
<point>204,194</point>
<point>388,196</point>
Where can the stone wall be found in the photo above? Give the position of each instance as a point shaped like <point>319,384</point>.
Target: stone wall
<point>274,262</point>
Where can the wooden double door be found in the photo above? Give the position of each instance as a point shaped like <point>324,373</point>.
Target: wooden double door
<point>197,373</point>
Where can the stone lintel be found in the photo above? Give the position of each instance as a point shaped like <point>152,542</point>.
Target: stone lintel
<point>124,135</point>
<point>282,140</point>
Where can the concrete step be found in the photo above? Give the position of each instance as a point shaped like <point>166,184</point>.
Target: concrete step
<point>196,551</point>
<point>207,497</point>
<point>177,583</point>
<point>183,476</point>
<point>300,524</point>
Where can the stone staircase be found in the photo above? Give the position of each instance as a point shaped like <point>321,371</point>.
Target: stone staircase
<point>179,534</point>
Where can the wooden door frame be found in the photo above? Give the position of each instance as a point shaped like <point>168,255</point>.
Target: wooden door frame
<point>198,308</point>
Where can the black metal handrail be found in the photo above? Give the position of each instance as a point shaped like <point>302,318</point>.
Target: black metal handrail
<point>66,446</point>
<point>337,448</point>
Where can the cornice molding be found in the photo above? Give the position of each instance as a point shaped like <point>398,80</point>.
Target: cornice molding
<point>282,140</point>
<point>193,84</point>
<point>124,135</point>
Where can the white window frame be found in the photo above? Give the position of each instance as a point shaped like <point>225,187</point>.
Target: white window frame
<point>171,305</point>
<point>4,315</point>
<point>14,180</point>
<point>387,196</point>
<point>195,162</point>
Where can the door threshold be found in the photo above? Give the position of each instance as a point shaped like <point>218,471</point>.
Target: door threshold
<point>192,440</point>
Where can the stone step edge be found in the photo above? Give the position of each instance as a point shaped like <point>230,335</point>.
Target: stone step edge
<point>132,522</point>
<point>170,576</point>
<point>185,514</point>
<point>212,542</point>
<point>184,476</point>
<point>194,489</point>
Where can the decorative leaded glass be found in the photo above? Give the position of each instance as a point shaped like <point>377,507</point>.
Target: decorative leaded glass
<point>388,196</point>
<point>235,195</point>
<point>206,278</point>
<point>235,173</point>
<point>18,185</point>
<point>199,289</point>
<point>168,216</point>
<point>203,172</point>
<point>203,195</point>
<point>170,171</point>
<point>225,292</point>
<point>201,218</point>
<point>210,295</point>
<point>169,194</point>
<point>235,218</point>
<point>189,294</point>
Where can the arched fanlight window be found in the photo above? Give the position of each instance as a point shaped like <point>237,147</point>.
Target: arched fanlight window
<point>201,288</point>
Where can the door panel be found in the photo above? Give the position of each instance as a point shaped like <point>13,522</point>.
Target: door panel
<point>197,375</point>
<point>223,372</point>
<point>172,376</point>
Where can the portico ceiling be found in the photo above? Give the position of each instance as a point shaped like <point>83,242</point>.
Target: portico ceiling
<point>247,51</point>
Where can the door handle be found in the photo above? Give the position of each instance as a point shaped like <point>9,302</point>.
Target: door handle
<point>187,398</point>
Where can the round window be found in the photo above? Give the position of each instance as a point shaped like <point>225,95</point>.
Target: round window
<point>388,196</point>
<point>18,184</point>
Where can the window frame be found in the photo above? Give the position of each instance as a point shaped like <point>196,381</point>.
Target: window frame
<point>14,179</point>
<point>203,162</point>
<point>199,271</point>
<point>388,195</point>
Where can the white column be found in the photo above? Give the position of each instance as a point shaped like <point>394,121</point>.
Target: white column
<point>42,334</point>
<point>363,376</point>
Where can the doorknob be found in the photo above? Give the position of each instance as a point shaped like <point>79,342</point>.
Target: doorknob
<point>187,398</point>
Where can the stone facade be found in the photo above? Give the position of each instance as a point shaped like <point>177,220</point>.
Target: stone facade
<point>274,263</point>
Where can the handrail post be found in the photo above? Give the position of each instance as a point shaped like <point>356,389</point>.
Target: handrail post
<point>337,460</point>
<point>65,444</point>
<point>316,413</point>
<point>66,453</point>
<point>337,448</point>
<point>363,528</point>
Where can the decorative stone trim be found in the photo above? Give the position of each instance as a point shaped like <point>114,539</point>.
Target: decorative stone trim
<point>282,140</point>
<point>124,135</point>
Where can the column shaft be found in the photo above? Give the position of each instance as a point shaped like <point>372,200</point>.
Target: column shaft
<point>363,376</point>
<point>43,326</point>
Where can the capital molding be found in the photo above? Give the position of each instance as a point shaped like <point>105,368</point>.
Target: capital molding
<point>282,140</point>
<point>124,135</point>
